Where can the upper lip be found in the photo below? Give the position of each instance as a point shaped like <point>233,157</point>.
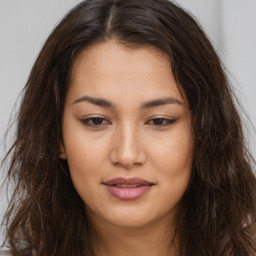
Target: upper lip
<point>129,181</point>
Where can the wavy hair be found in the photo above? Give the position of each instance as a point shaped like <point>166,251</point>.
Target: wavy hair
<point>46,215</point>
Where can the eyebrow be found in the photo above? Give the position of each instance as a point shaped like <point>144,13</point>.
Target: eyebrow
<point>159,102</point>
<point>149,104</point>
<point>96,101</point>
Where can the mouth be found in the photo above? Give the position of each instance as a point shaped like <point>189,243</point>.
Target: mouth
<point>128,189</point>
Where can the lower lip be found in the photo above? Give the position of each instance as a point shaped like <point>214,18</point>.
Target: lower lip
<point>128,193</point>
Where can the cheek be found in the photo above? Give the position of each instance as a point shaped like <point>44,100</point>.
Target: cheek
<point>85,160</point>
<point>173,160</point>
<point>85,171</point>
<point>82,151</point>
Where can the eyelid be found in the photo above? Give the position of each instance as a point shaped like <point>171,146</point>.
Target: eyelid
<point>164,120</point>
<point>167,121</point>
<point>86,120</point>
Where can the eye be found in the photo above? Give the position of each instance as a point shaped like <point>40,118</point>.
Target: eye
<point>161,121</point>
<point>96,122</point>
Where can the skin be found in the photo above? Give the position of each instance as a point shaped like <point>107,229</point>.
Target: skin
<point>128,141</point>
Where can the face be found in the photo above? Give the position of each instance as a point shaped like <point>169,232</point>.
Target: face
<point>126,135</point>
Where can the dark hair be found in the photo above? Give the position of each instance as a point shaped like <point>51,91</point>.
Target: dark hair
<point>219,206</point>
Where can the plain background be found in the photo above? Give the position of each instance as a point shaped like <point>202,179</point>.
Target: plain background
<point>25,25</point>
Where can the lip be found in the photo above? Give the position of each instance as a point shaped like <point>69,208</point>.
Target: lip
<point>128,193</point>
<point>129,181</point>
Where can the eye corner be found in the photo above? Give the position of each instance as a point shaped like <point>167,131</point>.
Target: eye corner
<point>96,122</point>
<point>161,121</point>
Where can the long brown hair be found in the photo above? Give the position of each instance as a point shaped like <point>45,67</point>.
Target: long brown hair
<point>45,216</point>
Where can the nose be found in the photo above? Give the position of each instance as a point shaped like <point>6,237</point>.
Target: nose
<point>127,148</point>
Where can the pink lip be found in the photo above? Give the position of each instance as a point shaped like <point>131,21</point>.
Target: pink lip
<point>128,193</point>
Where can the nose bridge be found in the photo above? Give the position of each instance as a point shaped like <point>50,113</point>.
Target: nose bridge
<point>128,140</point>
<point>128,149</point>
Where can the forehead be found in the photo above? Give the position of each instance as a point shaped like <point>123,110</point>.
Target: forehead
<point>110,67</point>
<point>118,57</point>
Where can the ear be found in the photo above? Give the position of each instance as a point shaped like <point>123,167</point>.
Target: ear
<point>62,152</point>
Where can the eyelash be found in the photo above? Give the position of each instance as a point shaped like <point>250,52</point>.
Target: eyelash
<point>89,122</point>
<point>165,120</point>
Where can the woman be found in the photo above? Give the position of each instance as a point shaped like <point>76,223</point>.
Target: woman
<point>128,141</point>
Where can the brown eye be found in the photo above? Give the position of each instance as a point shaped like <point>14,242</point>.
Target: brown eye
<point>161,121</point>
<point>158,121</point>
<point>95,122</point>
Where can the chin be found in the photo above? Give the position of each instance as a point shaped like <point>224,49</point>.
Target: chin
<point>132,218</point>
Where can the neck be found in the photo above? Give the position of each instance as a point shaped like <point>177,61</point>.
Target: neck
<point>152,240</point>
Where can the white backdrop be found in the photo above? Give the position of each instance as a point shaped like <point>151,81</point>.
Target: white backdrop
<point>24,26</point>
